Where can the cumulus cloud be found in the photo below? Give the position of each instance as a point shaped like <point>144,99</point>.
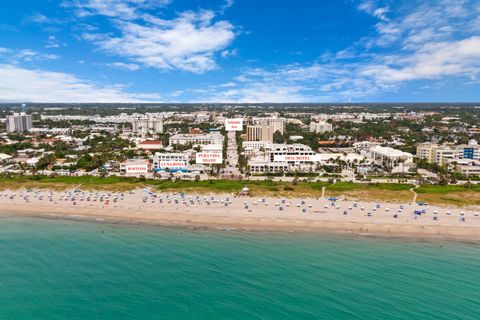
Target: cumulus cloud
<point>53,43</point>
<point>188,42</point>
<point>15,56</point>
<point>371,7</point>
<point>123,9</point>
<point>124,66</point>
<point>20,84</point>
<point>432,61</point>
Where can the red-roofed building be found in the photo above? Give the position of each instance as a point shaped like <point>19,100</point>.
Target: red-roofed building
<point>150,145</point>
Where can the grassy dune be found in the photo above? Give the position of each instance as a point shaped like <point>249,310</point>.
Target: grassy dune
<point>62,183</point>
<point>450,194</point>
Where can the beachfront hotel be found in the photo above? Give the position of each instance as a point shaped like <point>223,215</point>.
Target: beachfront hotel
<point>169,161</point>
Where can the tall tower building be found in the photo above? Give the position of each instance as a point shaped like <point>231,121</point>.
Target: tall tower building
<point>260,133</point>
<point>19,122</point>
<point>149,124</point>
<point>277,124</point>
<point>254,133</point>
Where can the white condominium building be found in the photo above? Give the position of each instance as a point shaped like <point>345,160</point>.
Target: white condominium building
<point>162,161</point>
<point>468,151</point>
<point>266,162</point>
<point>201,139</point>
<point>321,127</point>
<point>466,167</point>
<point>147,124</point>
<point>19,122</point>
<point>441,154</point>
<point>280,149</point>
<point>389,155</point>
<point>435,153</point>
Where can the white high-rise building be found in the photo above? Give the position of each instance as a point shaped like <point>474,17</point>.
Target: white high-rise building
<point>277,124</point>
<point>19,122</point>
<point>147,125</point>
<point>260,133</point>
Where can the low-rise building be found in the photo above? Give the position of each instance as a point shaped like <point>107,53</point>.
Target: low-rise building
<point>150,145</point>
<point>200,139</point>
<point>389,155</point>
<point>466,167</point>
<point>135,167</point>
<point>320,127</point>
<point>170,162</point>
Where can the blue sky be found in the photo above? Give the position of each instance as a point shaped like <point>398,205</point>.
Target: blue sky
<point>239,51</point>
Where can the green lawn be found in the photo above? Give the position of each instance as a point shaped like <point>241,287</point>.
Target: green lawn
<point>436,189</point>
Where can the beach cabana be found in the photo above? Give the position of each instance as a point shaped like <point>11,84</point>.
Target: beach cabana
<point>245,191</point>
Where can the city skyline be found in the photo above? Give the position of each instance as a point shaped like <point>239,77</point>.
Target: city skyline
<point>239,51</point>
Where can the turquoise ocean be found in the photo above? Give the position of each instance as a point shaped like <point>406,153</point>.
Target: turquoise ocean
<point>58,269</point>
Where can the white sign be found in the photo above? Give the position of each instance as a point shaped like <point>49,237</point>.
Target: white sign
<point>234,124</point>
<point>172,164</point>
<point>209,157</point>
<point>295,157</point>
<point>319,157</point>
<point>137,168</point>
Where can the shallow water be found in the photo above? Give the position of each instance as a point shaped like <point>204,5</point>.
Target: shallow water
<point>57,269</point>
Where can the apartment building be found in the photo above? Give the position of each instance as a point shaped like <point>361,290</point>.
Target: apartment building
<point>201,139</point>
<point>276,124</point>
<point>169,161</point>
<point>19,122</point>
<point>320,127</point>
<point>260,133</point>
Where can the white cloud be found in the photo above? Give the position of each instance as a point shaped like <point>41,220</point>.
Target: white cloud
<point>28,55</point>
<point>434,60</point>
<point>176,93</point>
<point>19,84</point>
<point>37,18</point>
<point>371,7</point>
<point>122,9</point>
<point>228,53</point>
<point>188,42</point>
<point>258,93</point>
<point>227,84</point>
<point>53,43</point>
<point>226,5</point>
<point>123,65</point>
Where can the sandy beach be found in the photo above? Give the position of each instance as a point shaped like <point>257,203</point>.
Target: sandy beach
<point>248,213</point>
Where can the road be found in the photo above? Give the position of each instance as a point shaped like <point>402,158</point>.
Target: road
<point>232,155</point>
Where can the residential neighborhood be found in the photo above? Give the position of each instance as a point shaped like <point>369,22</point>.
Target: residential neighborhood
<point>343,143</point>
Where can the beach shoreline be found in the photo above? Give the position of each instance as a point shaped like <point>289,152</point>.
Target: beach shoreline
<point>296,215</point>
